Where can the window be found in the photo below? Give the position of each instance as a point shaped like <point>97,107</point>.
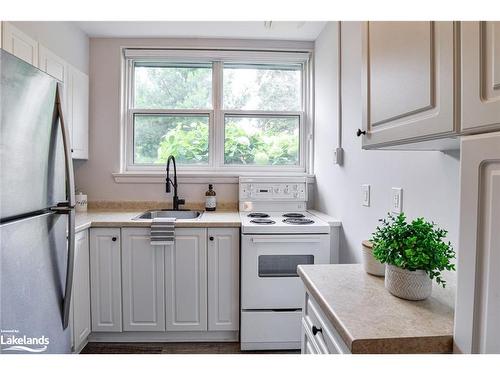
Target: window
<point>215,111</point>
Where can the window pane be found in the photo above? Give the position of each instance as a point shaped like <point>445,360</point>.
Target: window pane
<point>181,86</point>
<point>261,140</point>
<point>262,87</point>
<point>156,137</point>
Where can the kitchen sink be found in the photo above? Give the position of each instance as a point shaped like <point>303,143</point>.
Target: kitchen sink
<point>178,214</point>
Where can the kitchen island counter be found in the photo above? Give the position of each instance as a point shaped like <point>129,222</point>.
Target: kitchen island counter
<point>371,320</point>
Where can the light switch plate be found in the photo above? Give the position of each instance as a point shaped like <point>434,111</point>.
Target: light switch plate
<point>397,200</point>
<point>365,195</point>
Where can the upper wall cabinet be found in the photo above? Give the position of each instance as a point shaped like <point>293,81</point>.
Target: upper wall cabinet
<point>408,82</point>
<point>52,64</point>
<point>77,114</point>
<point>480,46</point>
<point>19,44</point>
<point>75,83</point>
<point>427,83</point>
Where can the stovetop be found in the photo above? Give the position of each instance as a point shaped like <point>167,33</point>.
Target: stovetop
<point>282,222</point>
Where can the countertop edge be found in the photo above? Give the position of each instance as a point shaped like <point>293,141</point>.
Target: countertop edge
<point>116,224</point>
<point>441,344</point>
<point>126,221</point>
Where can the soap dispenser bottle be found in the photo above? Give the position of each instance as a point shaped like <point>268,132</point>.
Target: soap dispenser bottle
<point>210,199</point>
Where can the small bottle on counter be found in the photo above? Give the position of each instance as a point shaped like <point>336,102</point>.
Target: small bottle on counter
<point>210,199</point>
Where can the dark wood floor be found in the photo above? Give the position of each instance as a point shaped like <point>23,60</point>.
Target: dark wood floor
<point>173,348</point>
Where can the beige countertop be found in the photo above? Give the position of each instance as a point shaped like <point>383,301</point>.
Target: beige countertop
<point>371,320</point>
<point>108,218</point>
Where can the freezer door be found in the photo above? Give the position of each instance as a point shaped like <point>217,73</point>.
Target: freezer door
<point>31,141</point>
<point>33,262</point>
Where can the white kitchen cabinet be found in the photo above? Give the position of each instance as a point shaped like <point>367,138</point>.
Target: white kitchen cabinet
<point>408,83</point>
<point>480,76</point>
<point>143,281</point>
<point>52,64</point>
<point>318,334</point>
<point>77,111</point>
<point>19,44</point>
<point>186,281</point>
<point>105,279</point>
<point>223,279</point>
<point>81,292</point>
<point>477,327</point>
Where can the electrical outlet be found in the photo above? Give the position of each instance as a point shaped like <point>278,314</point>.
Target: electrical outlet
<point>397,200</point>
<point>338,156</point>
<point>365,195</point>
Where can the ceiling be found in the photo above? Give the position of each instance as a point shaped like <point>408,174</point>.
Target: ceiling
<point>284,30</point>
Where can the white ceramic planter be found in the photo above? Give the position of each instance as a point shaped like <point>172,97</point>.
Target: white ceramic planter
<point>371,265</point>
<point>411,285</point>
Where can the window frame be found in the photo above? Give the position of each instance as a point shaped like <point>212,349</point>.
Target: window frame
<point>216,115</point>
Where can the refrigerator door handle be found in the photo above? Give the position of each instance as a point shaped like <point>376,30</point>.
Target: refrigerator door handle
<point>67,207</point>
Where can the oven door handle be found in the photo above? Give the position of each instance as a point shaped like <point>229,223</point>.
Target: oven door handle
<point>285,240</point>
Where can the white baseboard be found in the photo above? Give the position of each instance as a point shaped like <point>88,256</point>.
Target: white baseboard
<point>216,336</point>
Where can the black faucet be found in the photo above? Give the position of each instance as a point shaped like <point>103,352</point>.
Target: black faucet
<point>175,200</point>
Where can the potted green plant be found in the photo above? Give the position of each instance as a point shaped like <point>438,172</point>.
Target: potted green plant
<point>415,253</point>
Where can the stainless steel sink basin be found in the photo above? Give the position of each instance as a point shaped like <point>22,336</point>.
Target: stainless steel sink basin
<point>180,214</point>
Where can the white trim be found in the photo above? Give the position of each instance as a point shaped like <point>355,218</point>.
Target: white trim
<point>212,336</point>
<point>215,168</point>
<point>208,55</point>
<point>198,177</point>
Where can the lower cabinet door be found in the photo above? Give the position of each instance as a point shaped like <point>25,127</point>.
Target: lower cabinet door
<point>143,280</point>
<point>223,279</point>
<point>81,291</point>
<point>105,280</point>
<point>186,281</point>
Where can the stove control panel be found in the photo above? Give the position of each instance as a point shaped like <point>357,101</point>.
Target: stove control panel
<point>272,191</point>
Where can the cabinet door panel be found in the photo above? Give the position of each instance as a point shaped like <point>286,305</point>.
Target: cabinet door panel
<point>78,102</point>
<point>143,281</point>
<point>81,291</point>
<point>105,279</point>
<point>400,52</point>
<point>408,81</point>
<point>186,281</point>
<point>223,279</point>
<point>480,76</point>
<point>19,44</point>
<point>52,64</point>
<point>477,328</point>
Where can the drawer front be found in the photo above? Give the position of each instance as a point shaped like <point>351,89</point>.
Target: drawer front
<point>327,338</point>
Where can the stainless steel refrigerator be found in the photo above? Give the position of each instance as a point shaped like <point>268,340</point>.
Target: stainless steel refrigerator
<point>36,212</point>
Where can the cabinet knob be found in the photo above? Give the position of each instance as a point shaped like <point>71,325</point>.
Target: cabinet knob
<point>72,150</point>
<point>113,239</point>
<point>211,238</point>
<point>316,330</point>
<point>359,132</point>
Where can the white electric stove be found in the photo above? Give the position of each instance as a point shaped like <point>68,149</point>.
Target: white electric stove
<point>277,235</point>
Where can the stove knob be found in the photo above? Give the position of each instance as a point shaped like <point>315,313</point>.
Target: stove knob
<point>295,195</point>
<point>286,191</point>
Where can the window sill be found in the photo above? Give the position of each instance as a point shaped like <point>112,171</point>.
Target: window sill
<point>200,177</point>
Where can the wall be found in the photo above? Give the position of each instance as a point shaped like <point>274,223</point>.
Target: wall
<point>63,38</point>
<point>429,179</point>
<point>94,177</point>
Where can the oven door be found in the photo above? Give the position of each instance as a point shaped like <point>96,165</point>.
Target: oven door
<point>269,263</point>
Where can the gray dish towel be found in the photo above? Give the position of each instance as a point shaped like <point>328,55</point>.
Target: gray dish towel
<point>163,231</point>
